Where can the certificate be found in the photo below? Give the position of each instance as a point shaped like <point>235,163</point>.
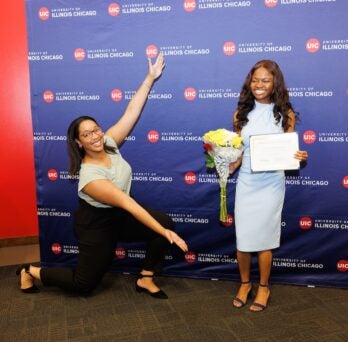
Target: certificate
<point>272,152</point>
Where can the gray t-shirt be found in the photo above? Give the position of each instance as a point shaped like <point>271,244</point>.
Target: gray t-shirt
<point>120,174</point>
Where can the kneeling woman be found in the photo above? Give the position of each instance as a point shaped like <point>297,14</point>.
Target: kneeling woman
<point>107,213</point>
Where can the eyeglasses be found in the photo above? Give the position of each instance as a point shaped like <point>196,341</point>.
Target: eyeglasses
<point>89,134</point>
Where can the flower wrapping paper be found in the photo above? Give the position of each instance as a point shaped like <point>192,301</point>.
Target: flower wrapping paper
<point>222,147</point>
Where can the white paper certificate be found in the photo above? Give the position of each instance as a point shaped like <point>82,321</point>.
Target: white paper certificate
<point>272,152</point>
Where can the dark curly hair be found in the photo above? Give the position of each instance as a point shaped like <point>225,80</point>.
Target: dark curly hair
<point>76,154</point>
<point>279,96</point>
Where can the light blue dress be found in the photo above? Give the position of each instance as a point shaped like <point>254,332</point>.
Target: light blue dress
<point>259,195</point>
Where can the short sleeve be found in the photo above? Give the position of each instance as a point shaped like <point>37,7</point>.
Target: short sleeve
<point>89,173</point>
<point>120,174</point>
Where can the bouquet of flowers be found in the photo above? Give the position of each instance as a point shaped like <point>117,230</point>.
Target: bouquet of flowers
<point>222,147</point>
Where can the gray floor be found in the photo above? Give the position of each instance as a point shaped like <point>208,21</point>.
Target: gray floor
<point>197,310</point>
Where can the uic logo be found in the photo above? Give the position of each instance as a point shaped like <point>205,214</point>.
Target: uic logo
<point>271,3</point>
<point>189,5</point>
<point>48,96</point>
<point>120,253</point>
<point>114,9</point>
<point>153,136</point>
<point>229,48</point>
<point>190,257</point>
<point>229,221</point>
<point>190,94</point>
<point>79,54</point>
<point>306,223</point>
<point>309,137</point>
<point>44,13</point>
<point>52,174</point>
<point>345,182</point>
<point>342,265</point>
<point>151,51</point>
<point>312,45</point>
<point>190,177</point>
<point>116,95</point>
<point>56,248</point>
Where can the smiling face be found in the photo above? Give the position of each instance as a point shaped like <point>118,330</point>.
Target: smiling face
<point>90,137</point>
<point>261,85</point>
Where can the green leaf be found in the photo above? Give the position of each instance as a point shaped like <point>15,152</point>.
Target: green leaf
<point>209,161</point>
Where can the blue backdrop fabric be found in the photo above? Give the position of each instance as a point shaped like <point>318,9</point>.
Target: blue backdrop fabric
<point>89,57</point>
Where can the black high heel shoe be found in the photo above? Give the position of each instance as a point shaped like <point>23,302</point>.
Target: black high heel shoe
<point>159,294</point>
<point>32,289</point>
<point>238,300</point>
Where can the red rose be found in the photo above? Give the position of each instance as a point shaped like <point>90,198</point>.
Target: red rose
<point>207,147</point>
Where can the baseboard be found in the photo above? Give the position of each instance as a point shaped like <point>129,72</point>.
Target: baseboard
<point>19,241</point>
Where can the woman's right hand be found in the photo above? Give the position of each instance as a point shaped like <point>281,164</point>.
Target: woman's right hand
<point>172,237</point>
<point>235,165</point>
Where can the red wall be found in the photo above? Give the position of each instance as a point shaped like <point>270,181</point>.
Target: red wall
<point>18,214</point>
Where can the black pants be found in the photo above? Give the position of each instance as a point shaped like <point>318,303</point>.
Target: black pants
<point>97,231</point>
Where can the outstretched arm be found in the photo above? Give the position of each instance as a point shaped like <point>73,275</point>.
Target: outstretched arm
<point>104,191</point>
<point>122,128</point>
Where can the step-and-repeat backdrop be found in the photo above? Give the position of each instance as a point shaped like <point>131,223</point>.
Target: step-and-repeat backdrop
<point>89,57</point>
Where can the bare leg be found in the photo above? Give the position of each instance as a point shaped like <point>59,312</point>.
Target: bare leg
<point>26,278</point>
<point>265,265</point>
<point>244,261</point>
<point>147,282</point>
<point>35,272</point>
<point>263,292</point>
<point>26,281</point>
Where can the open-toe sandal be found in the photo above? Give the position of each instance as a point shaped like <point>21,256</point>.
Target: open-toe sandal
<point>238,300</point>
<point>261,307</point>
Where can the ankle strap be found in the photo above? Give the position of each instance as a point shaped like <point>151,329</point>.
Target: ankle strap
<point>263,285</point>
<point>245,282</point>
<point>146,275</point>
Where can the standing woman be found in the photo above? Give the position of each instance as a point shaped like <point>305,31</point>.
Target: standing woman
<point>107,213</point>
<point>263,108</point>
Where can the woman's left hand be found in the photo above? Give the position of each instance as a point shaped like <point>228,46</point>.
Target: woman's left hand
<point>301,155</point>
<point>172,237</point>
<point>155,70</point>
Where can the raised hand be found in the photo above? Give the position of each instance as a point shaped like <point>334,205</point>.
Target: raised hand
<point>155,70</point>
